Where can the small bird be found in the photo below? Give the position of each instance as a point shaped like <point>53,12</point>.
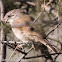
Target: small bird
<point>25,29</point>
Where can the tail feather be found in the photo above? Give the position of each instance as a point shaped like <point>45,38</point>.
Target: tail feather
<point>49,45</point>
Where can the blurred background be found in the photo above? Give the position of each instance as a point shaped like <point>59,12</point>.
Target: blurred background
<point>49,18</point>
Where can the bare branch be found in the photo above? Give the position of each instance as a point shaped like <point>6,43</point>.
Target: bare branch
<point>27,2</point>
<point>49,9</point>
<point>16,49</point>
<point>53,29</point>
<point>24,55</point>
<point>40,56</point>
<point>3,46</point>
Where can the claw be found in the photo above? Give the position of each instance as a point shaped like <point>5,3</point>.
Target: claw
<point>20,46</point>
<point>33,47</point>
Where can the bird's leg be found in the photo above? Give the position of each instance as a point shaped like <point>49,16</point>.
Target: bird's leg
<point>33,46</point>
<point>19,46</point>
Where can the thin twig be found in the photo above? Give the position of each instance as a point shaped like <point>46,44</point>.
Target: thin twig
<point>13,42</point>
<point>2,36</point>
<point>53,29</point>
<point>43,55</point>
<point>27,2</point>
<point>56,57</point>
<point>24,55</point>
<point>16,49</point>
<point>12,54</point>
<point>42,10</point>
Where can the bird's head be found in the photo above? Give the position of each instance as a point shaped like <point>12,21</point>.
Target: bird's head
<point>18,17</point>
<point>11,15</point>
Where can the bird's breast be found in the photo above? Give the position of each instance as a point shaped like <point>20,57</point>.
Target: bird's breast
<point>19,34</point>
<point>26,35</point>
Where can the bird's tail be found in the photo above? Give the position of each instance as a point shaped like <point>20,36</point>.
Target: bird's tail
<point>50,46</point>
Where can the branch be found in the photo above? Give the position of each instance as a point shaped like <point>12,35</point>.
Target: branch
<point>49,9</point>
<point>8,43</point>
<point>16,49</point>
<point>27,2</point>
<point>24,55</point>
<point>12,42</point>
<point>3,37</point>
<point>54,28</point>
<point>40,56</point>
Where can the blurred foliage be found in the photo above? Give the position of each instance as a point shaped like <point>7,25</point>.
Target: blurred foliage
<point>9,5</point>
<point>6,28</point>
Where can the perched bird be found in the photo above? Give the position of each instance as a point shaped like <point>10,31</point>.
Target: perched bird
<point>25,29</point>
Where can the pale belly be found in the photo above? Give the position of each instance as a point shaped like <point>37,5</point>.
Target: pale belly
<point>25,35</point>
<point>19,34</point>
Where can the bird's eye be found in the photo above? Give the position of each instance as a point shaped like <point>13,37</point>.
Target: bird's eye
<point>32,19</point>
<point>10,16</point>
<point>31,28</point>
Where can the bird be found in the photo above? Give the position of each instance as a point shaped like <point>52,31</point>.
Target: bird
<point>26,29</point>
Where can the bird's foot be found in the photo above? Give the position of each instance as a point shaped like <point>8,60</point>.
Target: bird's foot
<point>19,47</point>
<point>33,47</point>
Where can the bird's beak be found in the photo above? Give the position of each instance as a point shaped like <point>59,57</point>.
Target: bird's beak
<point>3,22</point>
